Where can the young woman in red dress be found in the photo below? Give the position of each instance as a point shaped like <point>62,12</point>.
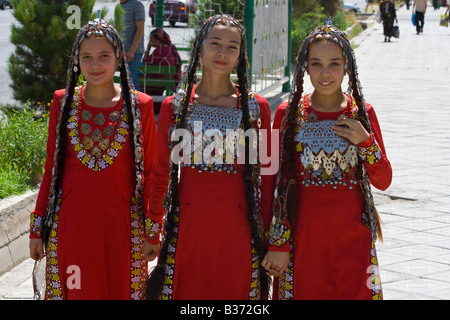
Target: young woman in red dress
<point>331,152</point>
<point>216,210</point>
<point>93,201</point>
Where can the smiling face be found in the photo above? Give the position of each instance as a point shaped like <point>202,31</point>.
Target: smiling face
<point>221,49</point>
<point>98,61</point>
<point>326,67</point>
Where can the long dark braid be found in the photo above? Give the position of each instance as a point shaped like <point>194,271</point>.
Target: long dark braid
<point>156,278</point>
<point>61,143</point>
<point>249,172</point>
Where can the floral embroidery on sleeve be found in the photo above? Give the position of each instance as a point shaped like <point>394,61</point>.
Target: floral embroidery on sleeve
<point>36,224</point>
<point>370,154</point>
<point>152,229</point>
<point>279,234</point>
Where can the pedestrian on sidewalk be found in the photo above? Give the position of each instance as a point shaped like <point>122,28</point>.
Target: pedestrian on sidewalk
<point>216,207</point>
<point>133,36</point>
<point>388,15</point>
<point>435,4</point>
<point>407,4</point>
<point>94,195</point>
<point>420,8</point>
<point>331,152</point>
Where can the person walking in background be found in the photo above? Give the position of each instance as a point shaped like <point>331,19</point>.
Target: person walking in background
<point>435,4</point>
<point>133,36</point>
<point>388,15</point>
<point>331,153</point>
<point>216,206</point>
<point>420,8</point>
<point>90,213</point>
<point>407,4</point>
<point>164,54</point>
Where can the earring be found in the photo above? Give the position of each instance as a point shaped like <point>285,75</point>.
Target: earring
<point>75,68</point>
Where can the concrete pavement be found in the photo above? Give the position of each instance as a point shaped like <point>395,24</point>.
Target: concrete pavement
<point>406,81</point>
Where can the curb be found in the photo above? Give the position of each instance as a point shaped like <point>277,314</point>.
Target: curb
<point>14,229</point>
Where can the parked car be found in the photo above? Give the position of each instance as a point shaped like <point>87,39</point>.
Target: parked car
<point>174,10</point>
<point>4,3</point>
<point>352,7</point>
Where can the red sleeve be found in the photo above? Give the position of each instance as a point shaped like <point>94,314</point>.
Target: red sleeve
<point>148,139</point>
<point>373,153</point>
<point>268,171</point>
<point>38,214</point>
<point>280,243</point>
<point>161,162</point>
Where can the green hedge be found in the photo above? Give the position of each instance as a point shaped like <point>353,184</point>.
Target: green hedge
<point>23,139</point>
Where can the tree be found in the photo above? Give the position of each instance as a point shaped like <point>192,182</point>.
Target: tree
<point>44,38</point>
<point>305,6</point>
<point>330,7</point>
<point>327,7</point>
<point>207,8</point>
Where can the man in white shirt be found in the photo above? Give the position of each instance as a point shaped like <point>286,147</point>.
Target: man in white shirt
<point>420,7</point>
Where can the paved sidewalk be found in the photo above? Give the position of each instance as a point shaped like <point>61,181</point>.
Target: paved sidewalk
<point>407,82</point>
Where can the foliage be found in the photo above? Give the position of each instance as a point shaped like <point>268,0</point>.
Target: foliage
<point>12,182</point>
<point>327,7</point>
<point>308,21</point>
<point>23,136</point>
<point>208,8</point>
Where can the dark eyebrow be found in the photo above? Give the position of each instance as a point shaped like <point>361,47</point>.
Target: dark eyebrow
<point>218,38</point>
<point>333,59</point>
<point>84,52</point>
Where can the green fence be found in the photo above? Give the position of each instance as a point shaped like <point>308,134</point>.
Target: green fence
<point>268,27</point>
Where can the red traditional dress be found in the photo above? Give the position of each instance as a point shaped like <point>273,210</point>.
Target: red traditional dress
<point>333,248</point>
<point>211,255</point>
<point>95,247</point>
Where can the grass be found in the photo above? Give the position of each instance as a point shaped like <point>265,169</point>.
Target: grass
<point>23,136</point>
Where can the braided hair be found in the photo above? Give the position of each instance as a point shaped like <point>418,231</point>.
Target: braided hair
<point>287,190</point>
<point>154,283</point>
<point>100,29</point>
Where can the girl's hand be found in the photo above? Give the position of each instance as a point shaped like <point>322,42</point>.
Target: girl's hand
<point>151,251</point>
<point>351,129</point>
<point>36,249</point>
<point>275,262</point>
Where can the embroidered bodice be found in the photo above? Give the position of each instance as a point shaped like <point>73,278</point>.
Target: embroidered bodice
<point>216,135</point>
<point>327,159</point>
<point>97,134</point>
